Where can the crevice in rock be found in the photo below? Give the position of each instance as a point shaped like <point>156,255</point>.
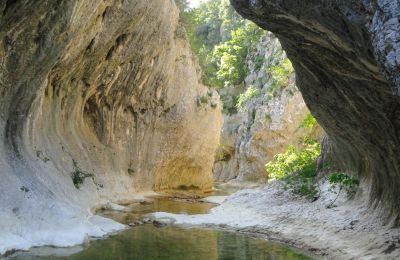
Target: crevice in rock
<point>9,5</point>
<point>110,53</point>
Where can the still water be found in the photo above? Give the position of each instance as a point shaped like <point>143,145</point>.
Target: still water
<point>173,242</point>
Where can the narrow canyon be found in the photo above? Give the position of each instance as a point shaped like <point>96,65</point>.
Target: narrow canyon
<point>114,105</point>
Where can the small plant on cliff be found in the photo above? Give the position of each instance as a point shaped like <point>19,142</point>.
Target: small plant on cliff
<point>297,167</point>
<point>202,100</point>
<point>309,122</point>
<point>258,62</point>
<point>78,176</point>
<point>342,182</point>
<point>250,93</point>
<point>280,74</point>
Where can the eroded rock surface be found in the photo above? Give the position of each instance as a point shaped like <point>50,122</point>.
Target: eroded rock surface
<point>347,60</point>
<point>98,100</point>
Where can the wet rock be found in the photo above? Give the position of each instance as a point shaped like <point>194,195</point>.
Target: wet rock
<point>138,223</point>
<point>146,202</point>
<point>163,222</point>
<point>115,207</point>
<point>146,220</point>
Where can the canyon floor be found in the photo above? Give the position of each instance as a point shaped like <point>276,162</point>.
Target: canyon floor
<point>271,212</point>
<point>346,231</point>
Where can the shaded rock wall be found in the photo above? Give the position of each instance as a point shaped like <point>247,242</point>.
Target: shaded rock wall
<point>346,57</point>
<point>102,88</point>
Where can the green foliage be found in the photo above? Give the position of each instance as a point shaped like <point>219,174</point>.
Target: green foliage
<point>342,181</point>
<point>78,176</point>
<point>243,98</point>
<point>258,62</point>
<point>229,104</point>
<point>231,55</point>
<point>309,122</point>
<point>280,73</point>
<point>207,99</point>
<point>203,99</point>
<point>221,40</point>
<point>297,167</point>
<point>295,160</point>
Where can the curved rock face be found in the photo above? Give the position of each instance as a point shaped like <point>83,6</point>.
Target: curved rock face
<point>98,100</point>
<point>347,60</point>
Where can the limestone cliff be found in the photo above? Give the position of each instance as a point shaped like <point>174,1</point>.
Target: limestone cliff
<point>267,124</point>
<point>98,100</point>
<point>347,60</point>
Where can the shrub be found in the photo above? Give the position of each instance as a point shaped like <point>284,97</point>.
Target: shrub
<point>342,182</point>
<point>280,74</point>
<point>297,167</point>
<point>231,55</point>
<point>295,160</point>
<point>309,122</point>
<point>78,176</point>
<point>258,62</point>
<point>202,100</point>
<point>243,98</point>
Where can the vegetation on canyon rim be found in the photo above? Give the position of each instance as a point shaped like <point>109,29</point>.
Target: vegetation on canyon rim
<point>221,40</point>
<point>248,95</point>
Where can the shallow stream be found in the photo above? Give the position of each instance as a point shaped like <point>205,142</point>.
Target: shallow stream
<point>172,242</point>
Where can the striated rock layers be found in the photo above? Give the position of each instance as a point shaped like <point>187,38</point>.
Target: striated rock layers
<point>347,60</point>
<point>267,125</point>
<point>98,100</point>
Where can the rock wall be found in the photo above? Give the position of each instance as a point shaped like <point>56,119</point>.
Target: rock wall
<point>346,56</point>
<point>267,125</point>
<point>98,101</point>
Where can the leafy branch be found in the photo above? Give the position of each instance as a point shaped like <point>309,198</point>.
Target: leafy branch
<point>342,182</point>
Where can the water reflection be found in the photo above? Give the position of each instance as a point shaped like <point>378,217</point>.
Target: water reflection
<point>148,242</point>
<point>173,242</point>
